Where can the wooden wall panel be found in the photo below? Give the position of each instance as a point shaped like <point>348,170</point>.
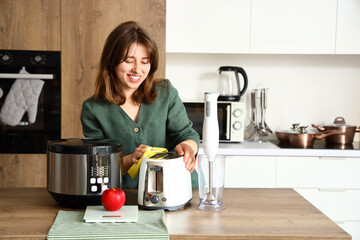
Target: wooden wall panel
<point>22,170</point>
<point>85,26</point>
<point>30,25</point>
<point>27,25</point>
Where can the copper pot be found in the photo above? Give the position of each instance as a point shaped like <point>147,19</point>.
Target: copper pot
<point>303,138</point>
<point>283,136</point>
<point>339,125</point>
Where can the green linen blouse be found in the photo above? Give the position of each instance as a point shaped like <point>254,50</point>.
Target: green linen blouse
<point>163,123</point>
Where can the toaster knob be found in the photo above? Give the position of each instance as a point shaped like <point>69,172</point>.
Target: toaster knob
<point>154,199</point>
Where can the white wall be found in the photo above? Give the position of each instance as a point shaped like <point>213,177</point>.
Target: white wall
<point>302,88</point>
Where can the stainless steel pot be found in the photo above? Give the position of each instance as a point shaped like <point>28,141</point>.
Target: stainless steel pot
<point>339,125</point>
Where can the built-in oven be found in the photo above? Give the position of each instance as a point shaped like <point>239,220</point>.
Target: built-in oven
<point>30,100</point>
<point>231,118</point>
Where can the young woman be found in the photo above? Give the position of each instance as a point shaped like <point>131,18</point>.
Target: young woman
<point>131,107</point>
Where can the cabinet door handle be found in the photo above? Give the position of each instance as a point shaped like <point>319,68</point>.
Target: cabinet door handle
<point>332,158</point>
<point>339,221</point>
<point>332,189</point>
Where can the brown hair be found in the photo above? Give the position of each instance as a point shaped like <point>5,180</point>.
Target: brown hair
<point>115,51</point>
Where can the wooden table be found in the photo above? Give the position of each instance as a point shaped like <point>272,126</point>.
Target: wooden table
<point>28,213</point>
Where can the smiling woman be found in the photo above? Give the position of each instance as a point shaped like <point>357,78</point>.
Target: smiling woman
<point>127,45</point>
<point>131,73</point>
<point>131,107</point>
<point>134,69</point>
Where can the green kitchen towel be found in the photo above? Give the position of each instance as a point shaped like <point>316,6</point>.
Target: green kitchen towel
<point>71,225</point>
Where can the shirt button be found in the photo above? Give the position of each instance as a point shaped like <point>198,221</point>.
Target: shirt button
<point>136,129</point>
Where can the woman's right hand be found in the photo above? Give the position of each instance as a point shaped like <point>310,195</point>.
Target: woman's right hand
<point>137,154</point>
<point>130,159</point>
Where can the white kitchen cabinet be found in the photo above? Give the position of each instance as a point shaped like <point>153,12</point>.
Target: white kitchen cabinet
<point>348,27</point>
<point>339,205</point>
<point>293,26</point>
<point>353,228</point>
<point>250,171</point>
<point>263,26</point>
<point>318,172</point>
<point>331,184</point>
<point>208,26</point>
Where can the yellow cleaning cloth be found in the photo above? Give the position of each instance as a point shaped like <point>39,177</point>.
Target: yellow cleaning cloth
<point>149,152</point>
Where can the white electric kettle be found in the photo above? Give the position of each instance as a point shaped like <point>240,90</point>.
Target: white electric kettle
<point>164,182</point>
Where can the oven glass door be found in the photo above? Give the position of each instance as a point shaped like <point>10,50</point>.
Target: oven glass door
<point>21,135</point>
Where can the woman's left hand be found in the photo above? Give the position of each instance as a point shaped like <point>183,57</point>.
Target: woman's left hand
<point>186,150</point>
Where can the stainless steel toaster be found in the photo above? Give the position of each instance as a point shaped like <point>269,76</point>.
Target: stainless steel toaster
<point>164,182</point>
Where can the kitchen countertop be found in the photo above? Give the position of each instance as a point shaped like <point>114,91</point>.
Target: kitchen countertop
<point>28,213</point>
<point>270,148</point>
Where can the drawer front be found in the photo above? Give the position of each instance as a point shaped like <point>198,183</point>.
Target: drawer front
<point>256,172</point>
<point>338,205</point>
<point>352,228</point>
<point>315,172</point>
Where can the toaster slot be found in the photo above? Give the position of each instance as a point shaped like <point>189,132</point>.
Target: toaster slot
<point>155,180</point>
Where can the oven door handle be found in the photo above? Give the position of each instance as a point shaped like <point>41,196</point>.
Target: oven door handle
<point>227,134</point>
<point>26,76</point>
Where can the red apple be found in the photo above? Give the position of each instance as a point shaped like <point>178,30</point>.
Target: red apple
<point>113,199</point>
